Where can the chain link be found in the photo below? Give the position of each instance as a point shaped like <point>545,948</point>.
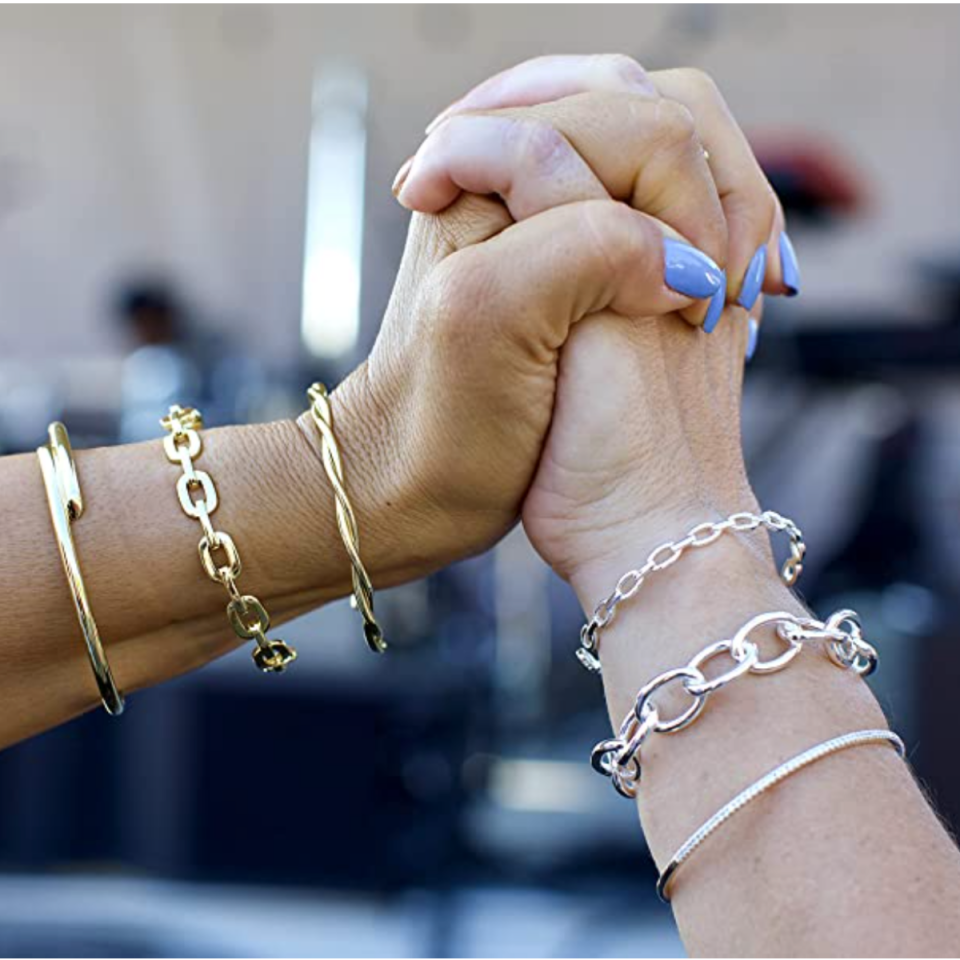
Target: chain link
<point>247,616</point>
<point>667,554</point>
<point>619,757</point>
<point>220,541</point>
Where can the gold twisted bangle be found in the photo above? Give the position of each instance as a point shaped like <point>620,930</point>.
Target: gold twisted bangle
<point>66,505</point>
<point>362,598</point>
<point>247,615</point>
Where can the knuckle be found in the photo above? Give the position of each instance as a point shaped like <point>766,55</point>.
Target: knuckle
<point>757,204</point>
<point>469,220</point>
<point>455,295</point>
<point>623,67</point>
<point>612,229</point>
<point>700,84</point>
<point>675,122</point>
<point>537,144</point>
<point>715,238</point>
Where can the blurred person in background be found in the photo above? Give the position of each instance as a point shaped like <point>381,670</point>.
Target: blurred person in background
<point>172,358</point>
<point>565,344</point>
<point>159,367</point>
<point>150,314</point>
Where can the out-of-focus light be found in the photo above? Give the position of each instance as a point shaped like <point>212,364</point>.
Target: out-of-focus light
<point>333,246</point>
<point>542,786</point>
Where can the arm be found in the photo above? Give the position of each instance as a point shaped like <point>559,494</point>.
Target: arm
<point>845,857</point>
<point>440,432</point>
<point>441,428</point>
<point>157,612</point>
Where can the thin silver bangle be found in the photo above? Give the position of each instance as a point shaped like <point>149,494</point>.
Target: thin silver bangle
<point>765,783</point>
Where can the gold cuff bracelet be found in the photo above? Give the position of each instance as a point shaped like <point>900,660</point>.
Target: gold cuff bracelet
<point>66,505</point>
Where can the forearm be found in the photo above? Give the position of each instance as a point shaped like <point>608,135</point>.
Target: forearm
<point>157,612</point>
<point>813,866</point>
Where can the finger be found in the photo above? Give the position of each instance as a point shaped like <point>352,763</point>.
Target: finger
<point>650,155</point>
<point>551,78</point>
<point>748,200</point>
<point>643,150</point>
<point>640,150</point>
<point>527,162</point>
<point>784,276</point>
<point>620,259</point>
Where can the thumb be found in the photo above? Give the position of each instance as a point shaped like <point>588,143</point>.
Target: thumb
<point>537,278</point>
<point>470,220</point>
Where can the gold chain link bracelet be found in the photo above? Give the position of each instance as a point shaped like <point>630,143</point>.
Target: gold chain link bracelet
<point>65,500</point>
<point>249,619</point>
<point>362,598</point>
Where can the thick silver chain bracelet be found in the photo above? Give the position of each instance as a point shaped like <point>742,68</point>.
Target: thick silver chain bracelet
<point>667,554</point>
<point>619,758</point>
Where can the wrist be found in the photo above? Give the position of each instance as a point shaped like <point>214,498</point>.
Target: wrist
<point>706,594</point>
<point>746,730</point>
<point>402,532</point>
<point>368,478</point>
<point>610,547</point>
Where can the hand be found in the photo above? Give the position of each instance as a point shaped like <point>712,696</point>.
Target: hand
<point>453,406</point>
<point>645,434</point>
<point>442,427</point>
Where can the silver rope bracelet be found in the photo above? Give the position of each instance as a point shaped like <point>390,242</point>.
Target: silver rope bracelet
<point>667,554</point>
<point>764,784</point>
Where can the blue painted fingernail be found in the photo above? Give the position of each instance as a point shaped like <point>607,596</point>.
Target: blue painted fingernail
<point>789,267</point>
<point>717,302</point>
<point>753,279</point>
<point>689,271</point>
<point>752,337</point>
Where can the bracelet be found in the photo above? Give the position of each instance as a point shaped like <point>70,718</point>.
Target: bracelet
<point>65,501</point>
<point>669,553</point>
<point>619,757</point>
<point>765,783</point>
<point>362,598</point>
<point>249,619</point>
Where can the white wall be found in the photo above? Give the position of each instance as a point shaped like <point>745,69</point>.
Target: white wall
<point>176,135</point>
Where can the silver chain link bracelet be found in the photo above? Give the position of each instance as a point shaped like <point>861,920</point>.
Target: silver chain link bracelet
<point>667,554</point>
<point>619,757</point>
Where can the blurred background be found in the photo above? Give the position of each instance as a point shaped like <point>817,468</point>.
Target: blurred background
<point>195,205</point>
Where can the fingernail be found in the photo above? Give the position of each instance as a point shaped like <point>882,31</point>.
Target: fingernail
<point>752,337</point>
<point>401,177</point>
<point>715,311</point>
<point>789,267</point>
<point>691,272</point>
<point>753,279</point>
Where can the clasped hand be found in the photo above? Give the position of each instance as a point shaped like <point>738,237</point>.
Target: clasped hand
<point>566,338</point>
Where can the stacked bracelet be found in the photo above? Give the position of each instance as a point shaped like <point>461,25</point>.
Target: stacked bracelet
<point>362,599</point>
<point>247,615</point>
<point>842,641</point>
<point>667,554</point>
<point>65,501</point>
<point>840,635</point>
<point>619,758</point>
